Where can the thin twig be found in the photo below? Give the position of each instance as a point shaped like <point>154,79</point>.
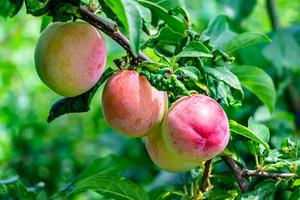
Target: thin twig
<point>205,177</point>
<point>248,172</point>
<point>8,181</point>
<point>238,172</point>
<point>109,29</point>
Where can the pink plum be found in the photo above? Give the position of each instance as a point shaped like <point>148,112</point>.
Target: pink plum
<point>163,158</point>
<point>131,105</point>
<point>196,128</point>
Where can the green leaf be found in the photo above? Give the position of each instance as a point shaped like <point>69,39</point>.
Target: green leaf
<point>36,8</point>
<point>295,195</point>
<point>191,72</point>
<point>246,132</point>
<point>129,14</point>
<point>218,31</point>
<point>79,103</point>
<point>9,8</point>
<point>175,23</point>
<point>46,20</point>
<point>166,36</point>
<point>195,49</point>
<point>225,75</point>
<point>258,82</point>
<point>265,191</point>
<point>110,165</point>
<point>112,187</point>
<point>259,129</point>
<point>168,4</point>
<point>243,40</point>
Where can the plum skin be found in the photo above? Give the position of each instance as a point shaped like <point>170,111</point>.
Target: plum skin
<point>131,105</point>
<point>196,128</point>
<point>70,57</point>
<point>163,158</point>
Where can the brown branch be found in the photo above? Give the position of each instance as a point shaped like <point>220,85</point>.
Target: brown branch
<point>109,29</point>
<point>205,176</point>
<point>241,173</point>
<point>238,172</point>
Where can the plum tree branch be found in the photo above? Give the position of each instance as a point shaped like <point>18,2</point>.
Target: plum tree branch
<point>241,173</point>
<point>238,172</point>
<point>109,29</point>
<point>205,177</point>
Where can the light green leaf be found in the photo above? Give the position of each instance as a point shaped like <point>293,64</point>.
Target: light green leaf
<point>259,129</point>
<point>258,82</point>
<point>243,40</point>
<point>175,23</point>
<point>112,187</point>
<point>168,4</point>
<point>130,16</point>
<point>246,132</point>
<point>195,49</point>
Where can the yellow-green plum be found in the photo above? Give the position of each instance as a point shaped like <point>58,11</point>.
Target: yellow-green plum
<point>163,158</point>
<point>196,128</point>
<point>131,105</point>
<point>70,57</point>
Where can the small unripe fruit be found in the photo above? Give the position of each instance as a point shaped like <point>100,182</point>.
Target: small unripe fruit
<point>163,158</point>
<point>196,128</point>
<point>70,57</point>
<point>131,105</point>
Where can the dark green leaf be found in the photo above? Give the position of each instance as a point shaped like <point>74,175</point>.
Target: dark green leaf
<point>218,31</point>
<point>244,131</point>
<point>129,14</point>
<point>295,195</point>
<point>266,191</point>
<point>243,40</point>
<point>191,72</point>
<point>224,74</point>
<point>79,103</point>
<point>9,8</point>
<point>166,36</point>
<point>258,82</point>
<point>195,49</point>
<point>36,8</point>
<point>175,23</point>
<point>112,187</point>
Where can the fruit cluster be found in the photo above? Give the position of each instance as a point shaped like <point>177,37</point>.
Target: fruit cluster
<point>70,58</point>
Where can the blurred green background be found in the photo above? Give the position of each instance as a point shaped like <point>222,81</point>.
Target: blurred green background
<point>55,153</point>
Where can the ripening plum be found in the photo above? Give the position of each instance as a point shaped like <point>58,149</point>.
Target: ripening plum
<point>131,105</point>
<point>196,128</point>
<point>70,57</point>
<point>163,158</point>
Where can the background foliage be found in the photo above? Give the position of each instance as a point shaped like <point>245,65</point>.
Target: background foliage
<point>47,157</point>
